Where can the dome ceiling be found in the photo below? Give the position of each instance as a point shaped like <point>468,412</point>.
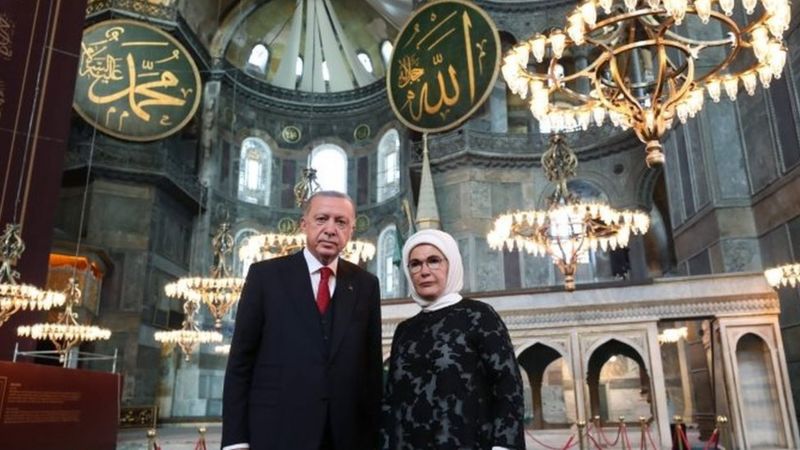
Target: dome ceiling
<point>317,45</point>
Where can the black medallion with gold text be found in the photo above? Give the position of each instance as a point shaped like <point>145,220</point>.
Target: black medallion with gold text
<point>444,65</point>
<point>135,82</point>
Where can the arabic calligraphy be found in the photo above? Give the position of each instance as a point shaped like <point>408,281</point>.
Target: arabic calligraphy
<point>444,65</point>
<point>6,37</point>
<point>135,81</point>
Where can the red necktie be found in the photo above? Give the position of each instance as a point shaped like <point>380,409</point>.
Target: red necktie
<point>324,292</point>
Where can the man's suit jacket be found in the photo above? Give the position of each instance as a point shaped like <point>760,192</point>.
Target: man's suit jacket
<point>282,381</point>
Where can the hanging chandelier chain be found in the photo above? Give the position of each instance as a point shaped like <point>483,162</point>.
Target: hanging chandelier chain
<point>559,163</point>
<point>12,249</point>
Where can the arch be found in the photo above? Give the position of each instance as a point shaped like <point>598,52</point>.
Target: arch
<point>231,22</point>
<point>255,171</point>
<point>507,40</point>
<point>388,272</point>
<point>530,343</point>
<point>330,161</point>
<point>760,399</point>
<point>388,165</point>
<point>593,348</point>
<point>550,378</point>
<point>601,400</point>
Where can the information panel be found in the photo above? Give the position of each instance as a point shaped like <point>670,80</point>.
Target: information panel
<point>47,408</point>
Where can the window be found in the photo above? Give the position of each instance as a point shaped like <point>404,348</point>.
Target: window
<point>255,167</point>
<point>365,61</point>
<point>326,74</point>
<point>386,51</point>
<point>388,165</point>
<point>259,58</point>
<point>388,272</point>
<point>331,164</point>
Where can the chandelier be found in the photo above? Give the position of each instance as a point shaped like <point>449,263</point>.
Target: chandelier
<point>14,296</point>
<point>635,62</point>
<point>569,227</point>
<point>66,332</point>
<point>307,186</point>
<point>190,336</point>
<point>785,275</point>
<point>673,335</point>
<point>289,240</point>
<point>271,245</point>
<point>220,291</point>
<point>223,349</point>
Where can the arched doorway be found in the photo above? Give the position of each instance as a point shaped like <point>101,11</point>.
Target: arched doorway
<point>552,391</point>
<point>618,383</point>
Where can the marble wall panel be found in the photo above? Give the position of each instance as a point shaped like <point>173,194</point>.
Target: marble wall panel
<point>756,129</point>
<point>726,149</point>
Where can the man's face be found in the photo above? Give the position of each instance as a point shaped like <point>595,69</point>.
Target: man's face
<point>328,225</point>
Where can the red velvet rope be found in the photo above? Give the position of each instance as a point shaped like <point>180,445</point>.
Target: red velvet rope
<point>714,439</point>
<point>682,436</point>
<point>650,438</point>
<point>605,439</point>
<point>566,446</point>
<point>625,439</point>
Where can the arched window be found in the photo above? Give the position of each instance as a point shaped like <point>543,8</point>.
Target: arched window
<point>326,73</point>
<point>388,165</point>
<point>388,272</point>
<point>255,167</point>
<point>365,61</point>
<point>386,51</point>
<point>259,58</point>
<point>330,161</point>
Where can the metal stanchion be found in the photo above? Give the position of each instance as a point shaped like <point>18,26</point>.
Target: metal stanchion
<point>623,432</point>
<point>678,421</point>
<point>643,433</point>
<point>724,433</point>
<point>151,440</point>
<point>201,442</point>
<point>581,425</point>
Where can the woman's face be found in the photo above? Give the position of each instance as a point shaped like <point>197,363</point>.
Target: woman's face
<point>429,282</point>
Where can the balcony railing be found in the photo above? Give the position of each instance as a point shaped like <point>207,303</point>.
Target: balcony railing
<point>149,162</point>
<point>156,9</point>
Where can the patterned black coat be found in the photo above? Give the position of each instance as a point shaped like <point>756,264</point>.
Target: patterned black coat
<point>453,383</point>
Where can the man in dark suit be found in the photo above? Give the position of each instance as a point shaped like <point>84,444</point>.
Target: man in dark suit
<point>304,371</point>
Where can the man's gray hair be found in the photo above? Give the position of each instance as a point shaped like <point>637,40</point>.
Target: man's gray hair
<point>334,194</point>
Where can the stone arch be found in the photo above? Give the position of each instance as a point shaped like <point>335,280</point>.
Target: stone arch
<point>758,393</point>
<point>536,361</point>
<point>606,351</point>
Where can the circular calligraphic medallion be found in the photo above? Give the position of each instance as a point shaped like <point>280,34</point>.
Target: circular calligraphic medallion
<point>287,225</point>
<point>135,82</point>
<point>362,223</point>
<point>291,134</point>
<point>444,65</point>
<point>362,132</point>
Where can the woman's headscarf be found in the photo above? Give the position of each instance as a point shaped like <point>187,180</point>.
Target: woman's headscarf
<point>455,269</point>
